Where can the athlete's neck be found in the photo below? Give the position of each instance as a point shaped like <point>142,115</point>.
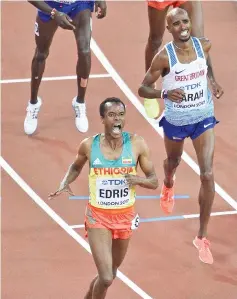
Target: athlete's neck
<point>113,143</point>
<point>183,45</point>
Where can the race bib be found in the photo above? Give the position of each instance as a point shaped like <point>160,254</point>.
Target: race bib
<point>36,29</point>
<point>135,222</point>
<point>191,101</point>
<point>112,192</point>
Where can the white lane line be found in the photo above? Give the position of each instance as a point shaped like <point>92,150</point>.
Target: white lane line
<point>134,100</point>
<point>77,226</point>
<point>93,76</point>
<point>212,214</point>
<point>11,172</point>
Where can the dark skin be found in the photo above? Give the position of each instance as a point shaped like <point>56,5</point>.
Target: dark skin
<point>179,23</point>
<point>160,64</point>
<point>109,253</point>
<point>157,28</point>
<point>81,28</point>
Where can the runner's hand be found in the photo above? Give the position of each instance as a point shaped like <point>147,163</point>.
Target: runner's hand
<point>217,89</point>
<point>61,189</point>
<point>64,21</point>
<point>100,9</point>
<point>176,95</point>
<point>132,180</point>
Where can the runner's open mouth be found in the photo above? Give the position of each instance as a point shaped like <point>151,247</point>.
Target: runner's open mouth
<point>117,129</point>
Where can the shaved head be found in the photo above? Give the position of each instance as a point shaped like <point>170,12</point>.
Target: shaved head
<point>179,25</point>
<point>174,13</point>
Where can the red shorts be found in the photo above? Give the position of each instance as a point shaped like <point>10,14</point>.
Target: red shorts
<point>120,222</point>
<point>160,5</point>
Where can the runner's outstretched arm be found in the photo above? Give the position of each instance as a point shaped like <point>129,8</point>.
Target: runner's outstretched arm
<point>74,169</point>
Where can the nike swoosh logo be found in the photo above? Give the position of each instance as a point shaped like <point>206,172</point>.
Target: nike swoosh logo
<point>179,72</point>
<point>207,125</point>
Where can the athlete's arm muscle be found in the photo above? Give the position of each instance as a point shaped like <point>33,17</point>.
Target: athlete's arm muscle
<point>159,63</point>
<point>216,88</point>
<point>146,164</point>
<point>41,5</point>
<point>144,160</point>
<point>75,168</point>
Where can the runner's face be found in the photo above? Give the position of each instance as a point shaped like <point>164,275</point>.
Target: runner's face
<point>180,27</point>
<point>114,119</point>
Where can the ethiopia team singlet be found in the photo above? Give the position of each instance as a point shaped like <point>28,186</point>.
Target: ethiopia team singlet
<point>107,186</point>
<point>197,103</point>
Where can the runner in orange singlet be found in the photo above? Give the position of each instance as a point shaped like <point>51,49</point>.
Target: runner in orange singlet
<point>110,215</point>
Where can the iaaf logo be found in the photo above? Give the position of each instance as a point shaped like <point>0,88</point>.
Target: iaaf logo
<point>112,182</point>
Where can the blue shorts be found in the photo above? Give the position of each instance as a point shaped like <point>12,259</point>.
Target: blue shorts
<point>71,9</point>
<point>179,133</point>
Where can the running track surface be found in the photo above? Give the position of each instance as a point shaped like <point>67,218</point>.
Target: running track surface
<point>42,256</point>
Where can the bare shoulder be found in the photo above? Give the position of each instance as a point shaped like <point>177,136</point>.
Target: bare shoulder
<point>206,44</point>
<point>139,143</point>
<point>163,54</point>
<point>161,58</point>
<point>85,145</point>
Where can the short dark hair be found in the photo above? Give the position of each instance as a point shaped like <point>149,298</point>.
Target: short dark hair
<point>110,100</point>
